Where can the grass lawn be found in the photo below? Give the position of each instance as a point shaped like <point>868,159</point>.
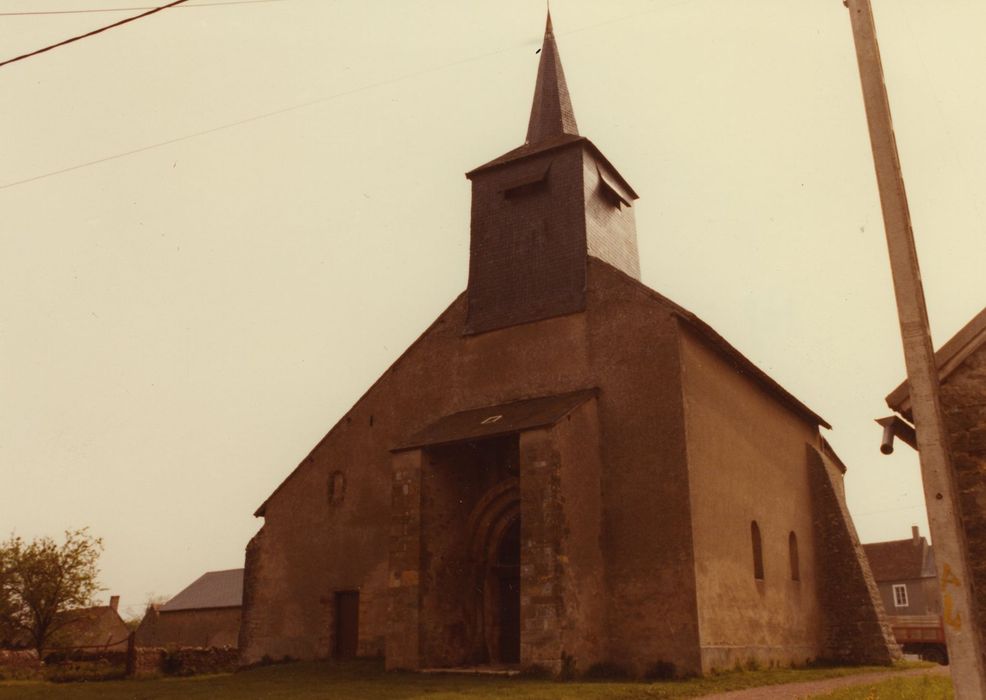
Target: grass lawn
<point>366,679</point>
<point>924,688</point>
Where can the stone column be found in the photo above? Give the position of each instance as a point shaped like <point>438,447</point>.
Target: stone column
<point>541,524</point>
<point>403,642</point>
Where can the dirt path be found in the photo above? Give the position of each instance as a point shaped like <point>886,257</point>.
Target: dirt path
<point>792,691</point>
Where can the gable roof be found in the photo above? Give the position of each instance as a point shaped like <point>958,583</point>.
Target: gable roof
<point>737,359</point>
<point>897,560</point>
<point>96,627</point>
<point>704,330</point>
<point>970,338</point>
<point>214,589</point>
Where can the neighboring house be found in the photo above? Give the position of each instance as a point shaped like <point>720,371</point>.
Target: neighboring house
<point>905,572</point>
<point>205,614</point>
<point>566,469</point>
<point>962,372</point>
<point>99,628</point>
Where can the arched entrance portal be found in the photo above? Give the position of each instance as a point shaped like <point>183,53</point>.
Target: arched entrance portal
<point>506,572</point>
<point>495,527</point>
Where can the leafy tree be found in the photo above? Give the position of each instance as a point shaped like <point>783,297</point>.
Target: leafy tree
<point>42,579</point>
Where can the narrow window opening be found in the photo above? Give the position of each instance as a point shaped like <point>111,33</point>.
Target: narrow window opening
<point>757,551</point>
<point>900,595</point>
<point>792,546</point>
<point>337,487</point>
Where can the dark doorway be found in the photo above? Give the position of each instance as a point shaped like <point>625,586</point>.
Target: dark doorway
<point>508,594</point>
<point>347,624</point>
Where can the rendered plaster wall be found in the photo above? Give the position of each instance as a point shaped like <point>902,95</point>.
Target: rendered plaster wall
<point>646,533</point>
<point>746,456</point>
<point>626,344</point>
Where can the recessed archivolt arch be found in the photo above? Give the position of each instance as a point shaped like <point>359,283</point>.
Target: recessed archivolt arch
<point>491,516</point>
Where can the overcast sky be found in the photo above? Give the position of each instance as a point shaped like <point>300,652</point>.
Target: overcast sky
<point>180,325</point>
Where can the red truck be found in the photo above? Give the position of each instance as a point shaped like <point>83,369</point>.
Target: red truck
<point>923,635</point>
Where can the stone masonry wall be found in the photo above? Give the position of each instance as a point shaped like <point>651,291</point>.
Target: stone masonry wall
<point>963,397</point>
<point>184,661</point>
<point>855,629</point>
<point>403,637</point>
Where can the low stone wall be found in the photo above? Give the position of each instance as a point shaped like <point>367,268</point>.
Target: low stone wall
<point>184,661</point>
<point>20,659</point>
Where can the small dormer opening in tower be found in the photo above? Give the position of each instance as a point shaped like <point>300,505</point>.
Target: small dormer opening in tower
<point>610,192</point>
<point>532,183</point>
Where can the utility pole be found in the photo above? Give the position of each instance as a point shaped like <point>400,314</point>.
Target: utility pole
<point>941,495</point>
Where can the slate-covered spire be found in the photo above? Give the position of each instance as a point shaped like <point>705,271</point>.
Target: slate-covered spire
<point>551,112</point>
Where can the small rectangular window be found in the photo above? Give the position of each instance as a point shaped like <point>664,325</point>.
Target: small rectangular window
<point>900,595</point>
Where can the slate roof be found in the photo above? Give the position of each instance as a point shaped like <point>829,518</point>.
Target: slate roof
<point>551,111</point>
<point>214,589</point>
<point>503,419</point>
<point>898,560</point>
<point>949,356</point>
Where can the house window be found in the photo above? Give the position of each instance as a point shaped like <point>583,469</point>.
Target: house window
<point>900,595</point>
<point>792,550</point>
<point>337,487</point>
<point>757,551</point>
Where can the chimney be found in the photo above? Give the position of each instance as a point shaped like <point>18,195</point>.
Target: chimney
<point>915,534</point>
<point>114,602</point>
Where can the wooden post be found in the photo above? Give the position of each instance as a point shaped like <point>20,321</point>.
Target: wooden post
<point>941,496</point>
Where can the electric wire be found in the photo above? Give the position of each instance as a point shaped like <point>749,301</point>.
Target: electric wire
<point>92,33</point>
<point>31,13</point>
<point>310,103</point>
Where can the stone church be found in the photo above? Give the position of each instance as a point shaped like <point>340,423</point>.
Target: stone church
<point>565,469</point>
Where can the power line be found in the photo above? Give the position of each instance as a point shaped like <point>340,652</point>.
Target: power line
<point>309,103</point>
<point>126,9</point>
<point>92,33</point>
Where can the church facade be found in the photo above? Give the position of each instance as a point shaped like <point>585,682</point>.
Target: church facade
<point>565,469</point>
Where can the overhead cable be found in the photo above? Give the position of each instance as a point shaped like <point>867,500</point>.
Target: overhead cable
<point>92,33</point>
<point>30,13</point>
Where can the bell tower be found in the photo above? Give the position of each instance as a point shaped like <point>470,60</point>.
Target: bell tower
<point>540,210</point>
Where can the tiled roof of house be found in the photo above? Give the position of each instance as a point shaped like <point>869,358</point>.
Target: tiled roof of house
<point>898,560</point>
<point>214,589</point>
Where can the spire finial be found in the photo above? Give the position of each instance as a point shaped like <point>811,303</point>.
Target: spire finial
<point>551,112</point>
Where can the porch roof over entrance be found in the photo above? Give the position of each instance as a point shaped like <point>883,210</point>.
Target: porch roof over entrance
<point>502,419</point>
